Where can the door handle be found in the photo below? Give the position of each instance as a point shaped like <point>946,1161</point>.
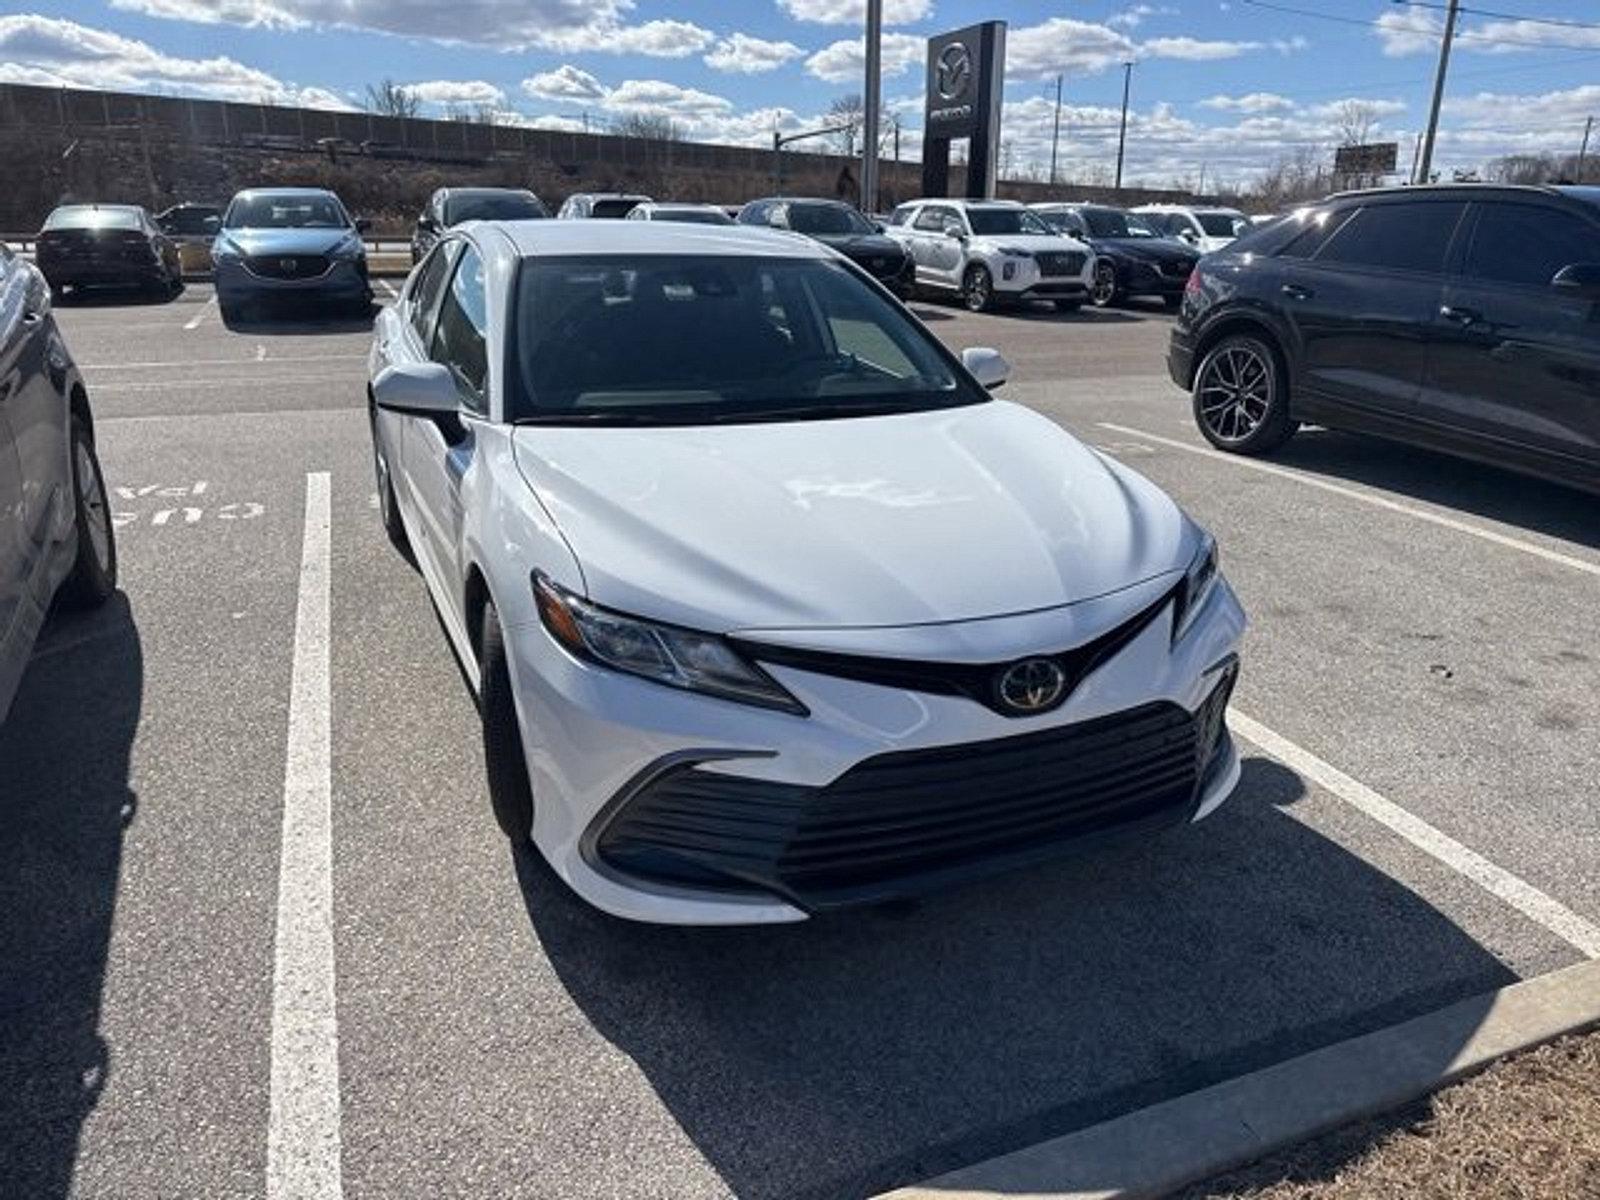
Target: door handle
<point>1461,316</point>
<point>1296,292</point>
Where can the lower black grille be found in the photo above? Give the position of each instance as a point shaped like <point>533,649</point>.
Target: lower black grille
<point>1064,263</point>
<point>907,821</point>
<point>288,266</point>
<point>1177,270</point>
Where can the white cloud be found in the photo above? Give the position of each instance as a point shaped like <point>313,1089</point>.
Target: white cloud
<point>1131,18</point>
<point>1064,45</point>
<point>566,83</point>
<point>846,61</point>
<point>568,26</point>
<point>1333,110</point>
<point>57,52</point>
<point>475,92</point>
<point>1514,37</point>
<point>1409,31</point>
<point>657,97</point>
<point>1194,50</point>
<point>1557,112</point>
<point>745,55</point>
<point>1251,102</point>
<point>558,123</point>
<point>854,12</point>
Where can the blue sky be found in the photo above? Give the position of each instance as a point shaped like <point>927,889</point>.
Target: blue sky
<point>1224,86</point>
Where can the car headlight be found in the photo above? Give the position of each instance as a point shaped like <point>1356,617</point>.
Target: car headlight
<point>1014,252</point>
<point>223,249</point>
<point>668,654</point>
<point>350,246</point>
<point>1199,581</point>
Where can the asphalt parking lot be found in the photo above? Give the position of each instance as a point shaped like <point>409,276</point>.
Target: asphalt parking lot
<point>1421,668</point>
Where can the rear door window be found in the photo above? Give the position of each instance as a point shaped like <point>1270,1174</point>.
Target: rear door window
<point>1396,237</point>
<point>1528,244</point>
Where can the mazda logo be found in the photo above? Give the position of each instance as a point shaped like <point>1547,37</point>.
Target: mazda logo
<point>953,71</point>
<point>287,264</point>
<point>1032,685</point>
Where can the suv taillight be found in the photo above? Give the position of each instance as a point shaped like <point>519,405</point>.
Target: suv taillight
<point>1192,286</point>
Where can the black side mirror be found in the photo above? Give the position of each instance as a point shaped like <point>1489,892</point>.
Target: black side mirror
<point>211,224</point>
<point>1580,279</point>
<point>363,224</point>
<point>953,229</point>
<point>426,223</point>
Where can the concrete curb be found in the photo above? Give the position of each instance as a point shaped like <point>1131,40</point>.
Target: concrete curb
<point>1153,1151</point>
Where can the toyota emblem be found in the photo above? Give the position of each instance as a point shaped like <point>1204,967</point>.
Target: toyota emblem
<point>954,71</point>
<point>1032,685</point>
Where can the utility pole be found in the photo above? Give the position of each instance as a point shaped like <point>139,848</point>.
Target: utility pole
<point>1416,156</point>
<point>869,141</point>
<point>1426,169</point>
<point>1583,150</point>
<point>1122,135</point>
<point>1055,134</point>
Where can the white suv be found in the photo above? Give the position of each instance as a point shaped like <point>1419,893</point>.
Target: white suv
<point>1206,229</point>
<point>992,251</point>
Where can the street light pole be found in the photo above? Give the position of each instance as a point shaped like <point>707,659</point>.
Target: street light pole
<point>1122,135</point>
<point>1426,168</point>
<point>1583,150</point>
<point>1055,135</point>
<point>869,148</point>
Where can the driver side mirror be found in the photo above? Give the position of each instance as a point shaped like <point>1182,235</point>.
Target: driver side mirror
<point>988,366</point>
<point>363,224</point>
<point>427,224</point>
<point>417,390</point>
<point>1579,279</point>
<point>953,229</point>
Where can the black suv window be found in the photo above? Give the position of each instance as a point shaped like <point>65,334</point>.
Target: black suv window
<point>461,339</point>
<point>424,297</point>
<point>1529,243</point>
<point>1314,231</point>
<point>1397,237</point>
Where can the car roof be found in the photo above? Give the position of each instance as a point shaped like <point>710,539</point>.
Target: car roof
<point>1468,189</point>
<point>532,239</point>
<point>285,191</point>
<point>100,207</point>
<point>486,191</point>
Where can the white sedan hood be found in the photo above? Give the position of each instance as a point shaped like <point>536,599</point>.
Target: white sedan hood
<point>979,511</point>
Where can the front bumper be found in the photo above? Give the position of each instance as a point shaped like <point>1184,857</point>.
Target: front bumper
<point>1148,279</point>
<point>1022,279</point>
<point>344,281</point>
<point>667,806</point>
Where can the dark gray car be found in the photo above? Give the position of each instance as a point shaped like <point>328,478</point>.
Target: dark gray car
<point>56,538</point>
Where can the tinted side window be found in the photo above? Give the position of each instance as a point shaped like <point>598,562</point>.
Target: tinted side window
<point>934,218</point>
<point>1397,237</point>
<point>1314,231</point>
<point>899,215</point>
<point>424,294</point>
<point>1528,244</point>
<point>461,339</point>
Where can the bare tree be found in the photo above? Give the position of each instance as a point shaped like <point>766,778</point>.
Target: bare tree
<point>1354,122</point>
<point>649,127</point>
<point>848,112</point>
<point>390,99</point>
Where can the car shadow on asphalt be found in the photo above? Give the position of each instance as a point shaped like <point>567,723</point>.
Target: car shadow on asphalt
<point>109,297</point>
<point>65,807</point>
<point>869,1049</point>
<point>1456,483</point>
<point>299,323</point>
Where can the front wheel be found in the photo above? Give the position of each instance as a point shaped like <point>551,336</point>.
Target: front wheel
<point>1104,291</point>
<point>1241,396</point>
<point>94,567</point>
<point>510,795</point>
<point>977,289</point>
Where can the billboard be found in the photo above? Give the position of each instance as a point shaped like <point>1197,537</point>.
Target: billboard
<point>1374,158</point>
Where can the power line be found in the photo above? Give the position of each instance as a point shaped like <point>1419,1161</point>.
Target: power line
<point>1558,22</point>
<point>1476,39</point>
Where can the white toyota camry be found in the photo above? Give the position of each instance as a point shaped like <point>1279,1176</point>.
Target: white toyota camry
<point>770,607</point>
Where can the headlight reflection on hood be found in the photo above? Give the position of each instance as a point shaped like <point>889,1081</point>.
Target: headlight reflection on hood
<point>668,654</point>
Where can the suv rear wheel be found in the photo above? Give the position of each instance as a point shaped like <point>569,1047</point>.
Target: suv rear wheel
<point>977,289</point>
<point>1241,396</point>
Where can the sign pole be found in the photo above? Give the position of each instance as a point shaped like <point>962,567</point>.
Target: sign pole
<point>869,148</point>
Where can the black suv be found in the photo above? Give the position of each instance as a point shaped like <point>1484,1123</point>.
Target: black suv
<point>1465,318</point>
<point>836,224</point>
<point>451,206</point>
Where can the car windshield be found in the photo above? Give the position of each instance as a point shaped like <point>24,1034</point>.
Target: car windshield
<point>1005,220</point>
<point>697,339</point>
<point>693,216</point>
<point>1138,226</point>
<point>1222,224</point>
<point>86,216</point>
<point>818,219</point>
<point>286,212</point>
<point>1109,223</point>
<point>493,206</point>
<point>613,207</point>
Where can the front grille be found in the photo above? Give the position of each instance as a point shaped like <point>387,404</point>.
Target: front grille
<point>287,266</point>
<point>1177,270</point>
<point>903,822</point>
<point>1061,263</point>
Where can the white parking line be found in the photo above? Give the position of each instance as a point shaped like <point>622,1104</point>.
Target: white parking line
<point>260,356</point>
<point>194,321</point>
<point>1421,514</point>
<point>303,1124</point>
<point>189,384</point>
<point>390,288</point>
<point>1518,893</point>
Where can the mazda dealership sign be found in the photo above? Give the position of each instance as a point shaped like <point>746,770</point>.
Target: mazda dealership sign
<point>966,74</point>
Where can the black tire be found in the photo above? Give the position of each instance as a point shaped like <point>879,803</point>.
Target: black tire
<point>1241,396</point>
<point>977,289</point>
<point>1105,289</point>
<point>507,769</point>
<point>1068,306</point>
<point>388,510</point>
<point>93,578</point>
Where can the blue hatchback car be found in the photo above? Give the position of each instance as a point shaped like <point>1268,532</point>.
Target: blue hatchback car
<point>290,244</point>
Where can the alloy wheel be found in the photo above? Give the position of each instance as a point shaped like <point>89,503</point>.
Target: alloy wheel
<point>1104,289</point>
<point>1235,392</point>
<point>978,287</point>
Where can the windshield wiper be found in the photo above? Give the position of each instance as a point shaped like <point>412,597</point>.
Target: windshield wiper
<point>597,416</point>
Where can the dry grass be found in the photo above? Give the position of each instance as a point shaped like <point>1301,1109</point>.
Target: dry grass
<point>1526,1129</point>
